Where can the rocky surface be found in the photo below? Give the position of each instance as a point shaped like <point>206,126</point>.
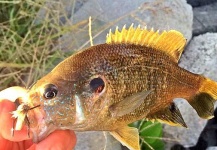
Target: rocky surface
<point>159,14</point>
<point>88,140</point>
<point>198,3</point>
<point>96,140</point>
<point>200,55</point>
<point>205,19</point>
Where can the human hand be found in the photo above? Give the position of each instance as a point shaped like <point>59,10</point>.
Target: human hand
<point>58,140</point>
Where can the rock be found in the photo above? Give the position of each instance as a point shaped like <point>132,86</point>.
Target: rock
<point>59,10</point>
<point>78,4</point>
<point>199,57</point>
<point>93,140</point>
<point>209,135</point>
<point>198,3</point>
<point>88,140</point>
<point>159,14</point>
<point>205,19</point>
<point>212,148</point>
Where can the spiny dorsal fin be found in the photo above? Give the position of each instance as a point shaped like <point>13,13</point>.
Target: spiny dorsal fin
<point>170,115</point>
<point>171,42</point>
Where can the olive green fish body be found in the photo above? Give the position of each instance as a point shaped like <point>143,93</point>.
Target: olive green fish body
<point>134,75</point>
<point>127,69</point>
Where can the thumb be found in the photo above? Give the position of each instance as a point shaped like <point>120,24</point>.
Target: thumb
<point>6,123</point>
<point>7,97</point>
<point>59,139</point>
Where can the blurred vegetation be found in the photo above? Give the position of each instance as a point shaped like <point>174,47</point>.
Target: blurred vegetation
<point>26,53</point>
<point>26,46</point>
<point>150,135</point>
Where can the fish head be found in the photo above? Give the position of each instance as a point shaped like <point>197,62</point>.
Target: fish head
<point>66,102</point>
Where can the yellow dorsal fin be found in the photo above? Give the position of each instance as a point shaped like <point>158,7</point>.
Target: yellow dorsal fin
<point>171,42</point>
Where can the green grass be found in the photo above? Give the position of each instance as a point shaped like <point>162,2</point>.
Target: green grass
<point>26,46</point>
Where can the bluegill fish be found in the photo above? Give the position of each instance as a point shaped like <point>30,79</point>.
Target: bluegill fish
<point>134,75</point>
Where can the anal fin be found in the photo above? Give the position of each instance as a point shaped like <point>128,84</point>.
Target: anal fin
<point>127,136</point>
<point>203,103</point>
<point>170,115</point>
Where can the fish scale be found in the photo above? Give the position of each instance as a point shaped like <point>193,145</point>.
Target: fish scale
<point>152,84</point>
<point>134,75</point>
<point>121,64</point>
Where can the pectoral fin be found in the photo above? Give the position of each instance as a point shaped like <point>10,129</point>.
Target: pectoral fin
<point>127,136</point>
<point>170,115</point>
<point>128,104</point>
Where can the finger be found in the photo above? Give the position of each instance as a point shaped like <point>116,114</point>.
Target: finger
<point>6,108</point>
<point>13,93</point>
<point>6,145</point>
<point>59,139</point>
<point>9,145</point>
<point>6,123</point>
<point>28,143</point>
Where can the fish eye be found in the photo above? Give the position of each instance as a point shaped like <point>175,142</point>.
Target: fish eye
<point>50,91</point>
<point>97,85</point>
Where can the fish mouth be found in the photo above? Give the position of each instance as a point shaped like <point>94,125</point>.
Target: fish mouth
<point>40,128</point>
<point>43,129</point>
<point>41,132</point>
<point>34,118</point>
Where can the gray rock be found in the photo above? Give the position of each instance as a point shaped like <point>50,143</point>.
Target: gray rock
<point>59,10</point>
<point>212,148</point>
<point>198,3</point>
<point>93,140</point>
<point>159,14</point>
<point>199,57</point>
<point>205,19</point>
<point>78,4</point>
<point>55,10</point>
<point>88,140</point>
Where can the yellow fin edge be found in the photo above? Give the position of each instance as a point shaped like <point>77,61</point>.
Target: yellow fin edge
<point>171,42</point>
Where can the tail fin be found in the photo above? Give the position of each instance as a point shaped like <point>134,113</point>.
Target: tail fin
<point>203,101</point>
